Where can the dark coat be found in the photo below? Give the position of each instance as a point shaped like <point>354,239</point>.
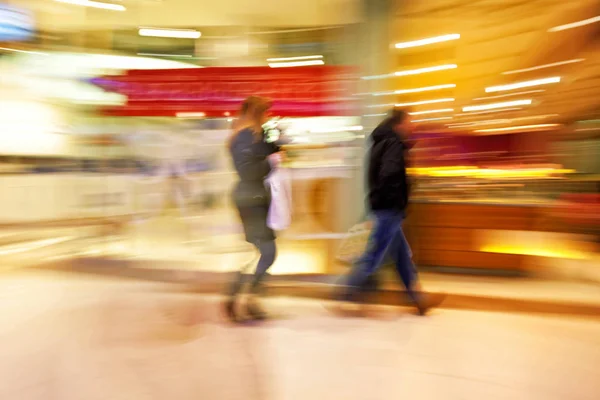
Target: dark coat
<point>388,185</point>
<point>252,195</point>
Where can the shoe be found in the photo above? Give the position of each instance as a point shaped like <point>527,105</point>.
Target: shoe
<point>230,312</point>
<point>255,312</point>
<point>429,301</point>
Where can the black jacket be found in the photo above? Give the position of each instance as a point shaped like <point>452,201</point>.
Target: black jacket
<point>251,163</point>
<point>251,195</point>
<point>388,186</point>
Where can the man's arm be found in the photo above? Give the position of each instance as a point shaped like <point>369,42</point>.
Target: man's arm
<point>392,169</point>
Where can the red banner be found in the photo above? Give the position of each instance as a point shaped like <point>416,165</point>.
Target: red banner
<point>218,92</point>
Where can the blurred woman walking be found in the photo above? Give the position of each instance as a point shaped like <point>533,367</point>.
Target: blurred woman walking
<point>253,158</point>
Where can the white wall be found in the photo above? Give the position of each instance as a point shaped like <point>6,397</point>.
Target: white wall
<point>28,127</point>
<point>180,13</point>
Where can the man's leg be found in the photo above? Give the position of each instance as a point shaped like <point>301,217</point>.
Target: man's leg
<point>386,227</point>
<point>404,264</point>
<point>408,273</point>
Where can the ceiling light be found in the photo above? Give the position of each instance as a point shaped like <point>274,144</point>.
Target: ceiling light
<point>95,4</point>
<point>500,121</point>
<point>191,115</point>
<point>489,111</point>
<point>295,58</point>
<point>170,33</point>
<point>509,95</point>
<point>165,55</point>
<point>432,111</point>
<point>418,103</point>
<point>371,77</point>
<point>497,105</point>
<point>431,40</point>
<point>296,63</point>
<point>419,71</point>
<point>23,51</point>
<point>477,123</point>
<point>338,129</point>
<point>534,117</point>
<point>381,105</point>
<point>519,85</point>
<point>575,24</point>
<point>415,90</point>
<point>556,64</point>
<point>431,119</point>
<point>518,128</point>
<point>425,89</point>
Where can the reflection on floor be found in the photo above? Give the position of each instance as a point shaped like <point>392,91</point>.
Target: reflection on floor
<point>66,337</point>
<point>163,244</point>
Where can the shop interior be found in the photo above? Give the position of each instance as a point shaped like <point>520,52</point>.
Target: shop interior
<point>505,169</point>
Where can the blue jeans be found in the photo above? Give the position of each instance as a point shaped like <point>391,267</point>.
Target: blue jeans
<point>386,239</point>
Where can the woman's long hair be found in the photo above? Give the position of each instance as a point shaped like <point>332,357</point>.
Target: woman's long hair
<point>250,116</point>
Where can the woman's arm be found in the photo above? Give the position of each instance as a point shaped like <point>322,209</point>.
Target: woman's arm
<point>252,166</point>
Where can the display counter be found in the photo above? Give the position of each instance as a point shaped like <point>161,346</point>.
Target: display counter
<point>468,234</point>
<point>503,225</point>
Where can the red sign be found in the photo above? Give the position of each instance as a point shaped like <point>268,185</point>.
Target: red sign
<point>218,92</point>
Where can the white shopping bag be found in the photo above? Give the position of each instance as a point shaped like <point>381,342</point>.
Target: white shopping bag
<point>280,211</point>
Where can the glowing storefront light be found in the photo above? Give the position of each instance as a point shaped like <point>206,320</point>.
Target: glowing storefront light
<point>556,64</point>
<point>31,128</point>
<point>500,121</point>
<point>416,90</point>
<point>500,110</point>
<point>425,70</point>
<point>492,106</point>
<point>426,41</point>
<point>425,89</point>
<point>192,115</point>
<point>409,72</point>
<point>95,4</point>
<point>431,119</point>
<point>418,103</point>
<point>519,85</point>
<point>300,58</point>
<point>508,95</point>
<point>441,110</point>
<point>575,24</point>
<point>518,128</point>
<point>170,33</point>
<point>23,51</point>
<point>306,63</point>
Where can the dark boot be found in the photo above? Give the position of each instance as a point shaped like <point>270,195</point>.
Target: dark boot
<point>255,311</point>
<point>229,307</point>
<point>424,302</point>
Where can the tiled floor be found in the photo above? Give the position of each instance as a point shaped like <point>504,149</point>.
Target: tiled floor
<point>64,337</point>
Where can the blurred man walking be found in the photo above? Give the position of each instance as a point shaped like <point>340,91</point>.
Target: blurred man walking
<point>388,193</point>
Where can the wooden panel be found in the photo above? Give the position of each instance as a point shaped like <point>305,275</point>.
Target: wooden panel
<point>471,259</point>
<point>474,216</point>
<point>438,238</point>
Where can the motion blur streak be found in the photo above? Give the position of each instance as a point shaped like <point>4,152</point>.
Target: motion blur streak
<point>176,175</point>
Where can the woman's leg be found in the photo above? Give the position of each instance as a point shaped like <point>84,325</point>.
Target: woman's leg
<point>239,279</point>
<point>268,253</point>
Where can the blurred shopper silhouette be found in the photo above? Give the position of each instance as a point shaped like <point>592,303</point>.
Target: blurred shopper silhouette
<point>253,159</point>
<point>388,194</point>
